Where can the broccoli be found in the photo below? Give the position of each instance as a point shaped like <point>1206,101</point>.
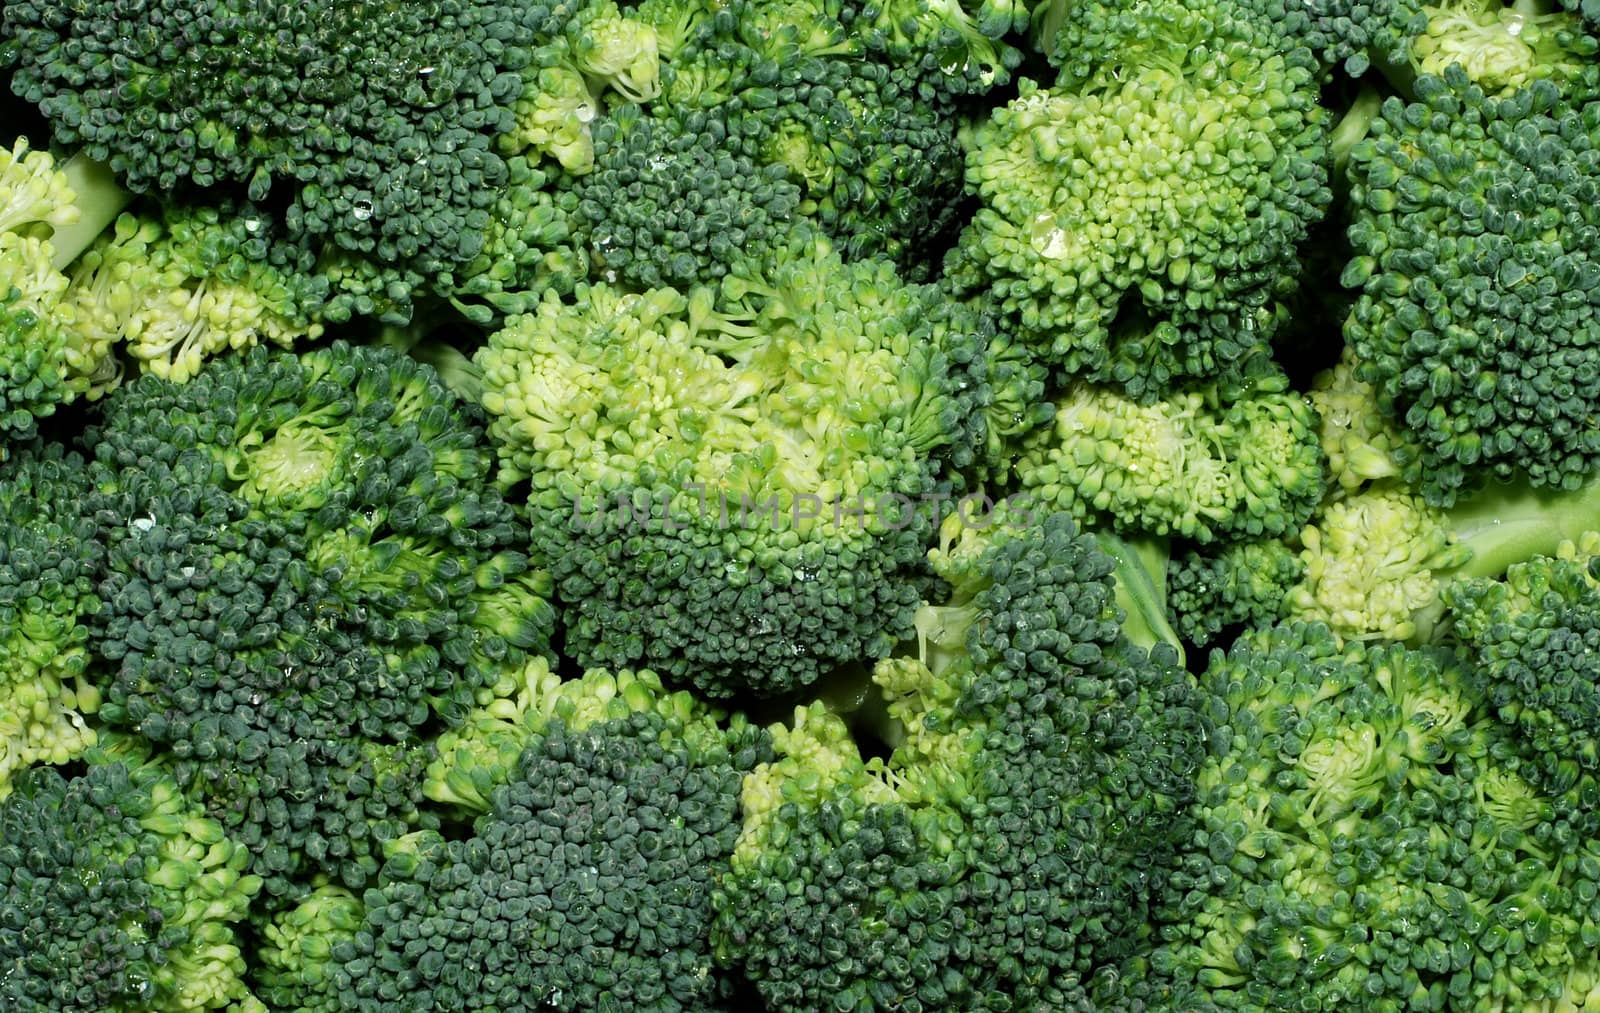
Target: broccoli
<point>1004,851</point>
<point>1140,215</point>
<point>120,895</point>
<point>739,504</point>
<point>1367,836</point>
<point>1376,562</point>
<point>49,212</point>
<point>602,808</point>
<point>1475,324</point>
<point>173,285</point>
<point>308,571</point>
<point>1214,591</point>
<point>1209,462</point>
<point>49,569</point>
<point>1534,636</point>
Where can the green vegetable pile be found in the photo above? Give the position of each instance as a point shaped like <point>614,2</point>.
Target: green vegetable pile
<point>708,506</point>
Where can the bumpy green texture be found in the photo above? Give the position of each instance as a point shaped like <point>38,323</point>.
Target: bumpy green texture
<point>1503,47</point>
<point>174,285</point>
<point>1208,463</point>
<point>672,203</point>
<point>1535,635</point>
<point>378,118</point>
<point>1001,856</point>
<point>48,213</point>
<point>1363,444</point>
<point>604,807</point>
<point>119,895</point>
<point>294,967</point>
<point>308,571</point>
<point>738,503</point>
<point>1140,215</point>
<point>1369,838</point>
<point>49,567</point>
<point>1215,590</point>
<point>1474,231</point>
<point>1353,35</point>
<point>1376,561</point>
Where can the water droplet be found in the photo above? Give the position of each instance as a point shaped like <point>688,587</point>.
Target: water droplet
<point>362,210</point>
<point>143,524</point>
<point>252,225</point>
<point>187,571</point>
<point>585,113</point>
<point>1049,239</point>
<point>1514,23</point>
<point>425,72</point>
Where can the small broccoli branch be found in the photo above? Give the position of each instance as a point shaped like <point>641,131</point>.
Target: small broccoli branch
<point>100,199</point>
<point>1141,576</point>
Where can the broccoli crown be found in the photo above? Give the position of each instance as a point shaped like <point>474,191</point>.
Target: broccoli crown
<point>1356,34</point>
<point>1139,216</point>
<point>295,965</point>
<point>302,553</point>
<point>49,563</point>
<point>736,503</point>
<point>1001,856</point>
<point>795,112</point>
<point>1212,590</point>
<point>1363,443</point>
<point>1535,635</point>
<point>375,123</point>
<point>1214,462</point>
<point>1367,836</point>
<point>1473,233</point>
<point>119,895</point>
<point>586,881</point>
<point>1376,561</point>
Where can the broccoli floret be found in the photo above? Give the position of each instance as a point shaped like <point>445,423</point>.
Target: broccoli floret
<point>1216,462</point>
<point>120,894</point>
<point>673,202</point>
<point>382,129</point>
<point>49,212</point>
<point>1377,561</point>
<point>304,552</point>
<point>1503,47</point>
<point>738,504</point>
<point>1003,853</point>
<point>1477,314</point>
<point>1366,836</point>
<point>176,284</point>
<point>604,807</point>
<point>1140,215</point>
<point>297,962</point>
<point>49,569</point>
<point>1212,590</point>
<point>1363,444</point>
<point>1535,636</point>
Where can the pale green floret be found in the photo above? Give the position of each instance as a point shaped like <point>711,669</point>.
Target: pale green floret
<point>1189,465</point>
<point>294,962</point>
<point>1140,214</point>
<point>1504,47</point>
<point>1370,563</point>
<point>1361,442</point>
<point>49,212</point>
<point>1377,561</point>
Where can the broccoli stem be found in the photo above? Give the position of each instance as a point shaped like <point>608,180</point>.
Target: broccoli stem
<point>1353,126</point>
<point>1511,523</point>
<point>1141,576</point>
<point>100,200</point>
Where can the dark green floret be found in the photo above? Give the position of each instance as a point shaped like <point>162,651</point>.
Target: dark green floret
<point>49,571</point>
<point>120,895</point>
<point>1215,590</point>
<point>1474,236</point>
<point>603,808</point>
<point>1003,852</point>
<point>738,502</point>
<point>309,572</point>
<point>1368,836</point>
